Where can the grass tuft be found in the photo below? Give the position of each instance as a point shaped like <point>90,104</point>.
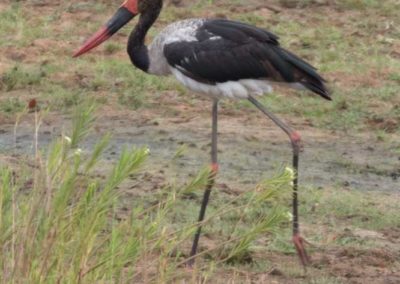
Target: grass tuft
<point>20,77</point>
<point>58,222</point>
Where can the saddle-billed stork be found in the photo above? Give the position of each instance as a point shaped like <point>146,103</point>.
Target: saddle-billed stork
<point>218,58</point>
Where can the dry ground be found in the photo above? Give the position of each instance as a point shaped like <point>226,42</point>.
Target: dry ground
<point>351,146</point>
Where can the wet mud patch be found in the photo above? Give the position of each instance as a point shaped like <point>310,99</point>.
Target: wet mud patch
<point>249,149</point>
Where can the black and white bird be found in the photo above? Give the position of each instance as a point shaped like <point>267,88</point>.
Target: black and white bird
<point>221,59</point>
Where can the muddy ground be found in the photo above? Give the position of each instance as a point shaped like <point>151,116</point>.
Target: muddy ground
<point>250,147</point>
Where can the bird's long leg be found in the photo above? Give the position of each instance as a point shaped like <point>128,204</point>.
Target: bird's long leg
<point>295,141</point>
<point>210,184</point>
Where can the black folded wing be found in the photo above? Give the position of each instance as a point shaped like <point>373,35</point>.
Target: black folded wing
<point>230,51</point>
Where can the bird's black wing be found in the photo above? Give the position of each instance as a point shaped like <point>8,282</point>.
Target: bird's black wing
<point>230,51</point>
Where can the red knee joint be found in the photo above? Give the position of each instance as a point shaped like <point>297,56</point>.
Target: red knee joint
<point>295,137</point>
<point>297,240</point>
<point>214,168</point>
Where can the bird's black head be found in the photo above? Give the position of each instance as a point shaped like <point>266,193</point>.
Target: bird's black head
<point>145,6</point>
<point>128,10</point>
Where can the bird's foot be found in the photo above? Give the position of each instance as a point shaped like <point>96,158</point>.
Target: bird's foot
<point>299,244</point>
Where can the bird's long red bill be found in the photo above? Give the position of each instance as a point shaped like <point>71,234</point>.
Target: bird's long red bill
<point>100,36</point>
<point>124,14</point>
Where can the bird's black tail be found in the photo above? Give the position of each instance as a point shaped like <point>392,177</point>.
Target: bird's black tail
<point>306,74</point>
<point>318,88</point>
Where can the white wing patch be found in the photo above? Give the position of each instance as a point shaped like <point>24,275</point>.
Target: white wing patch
<point>215,37</point>
<point>179,31</point>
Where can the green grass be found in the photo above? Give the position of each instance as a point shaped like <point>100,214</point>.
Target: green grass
<point>12,24</point>
<point>12,105</point>
<point>332,218</point>
<point>353,208</point>
<point>58,222</point>
<point>19,77</point>
<point>345,46</point>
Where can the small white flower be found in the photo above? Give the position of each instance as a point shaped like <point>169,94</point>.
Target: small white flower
<point>78,152</point>
<point>289,215</point>
<point>147,151</point>
<point>68,139</point>
<point>290,172</point>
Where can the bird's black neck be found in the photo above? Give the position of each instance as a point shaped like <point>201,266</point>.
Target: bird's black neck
<point>137,50</point>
